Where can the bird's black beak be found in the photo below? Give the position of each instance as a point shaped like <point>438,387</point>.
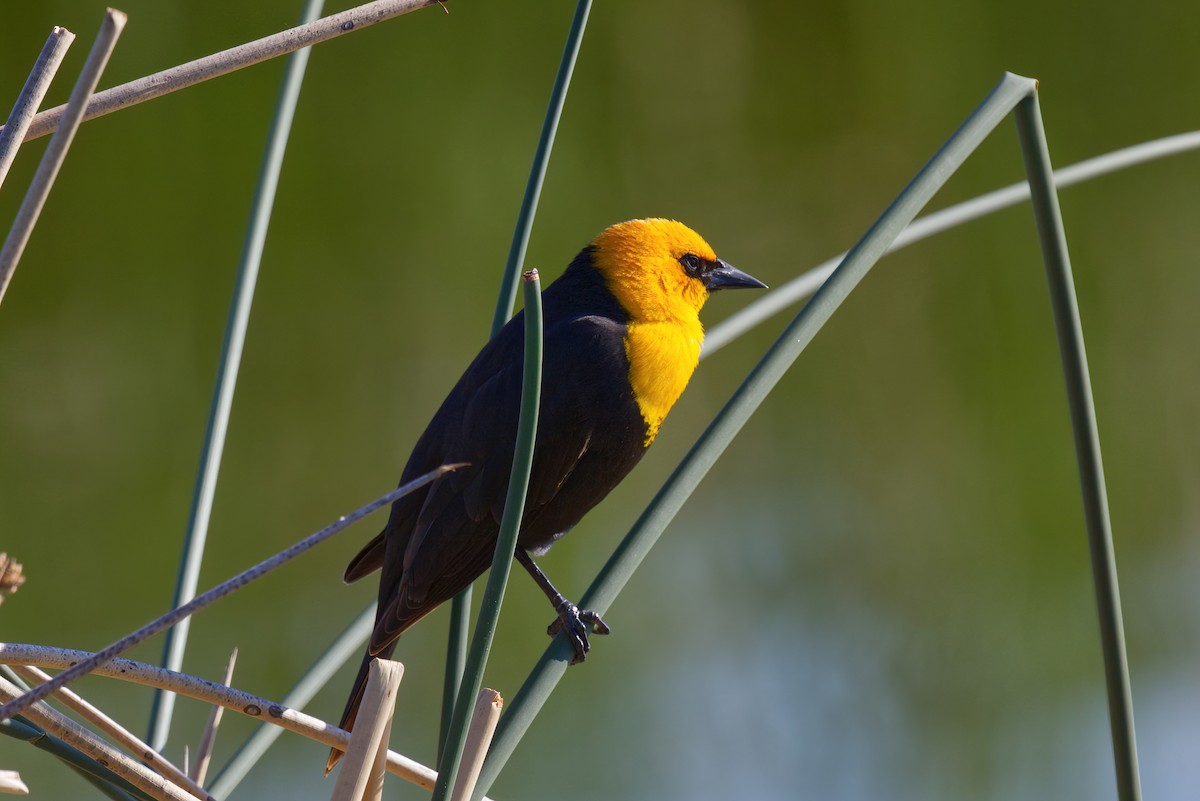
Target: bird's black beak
<point>726,276</point>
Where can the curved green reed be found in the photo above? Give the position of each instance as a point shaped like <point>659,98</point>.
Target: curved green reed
<point>460,606</point>
<point>506,543</point>
<point>227,371</point>
<point>1053,237</point>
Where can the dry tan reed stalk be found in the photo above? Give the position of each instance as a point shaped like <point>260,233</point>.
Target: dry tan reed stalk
<point>119,734</point>
<point>361,776</point>
<point>479,736</point>
<point>72,733</point>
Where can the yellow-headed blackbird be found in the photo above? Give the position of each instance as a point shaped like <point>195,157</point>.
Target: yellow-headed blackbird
<point>622,337</point>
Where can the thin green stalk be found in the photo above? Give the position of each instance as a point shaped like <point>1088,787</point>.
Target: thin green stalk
<point>506,543</point>
<point>227,372</point>
<point>762,379</point>
<point>1087,442</point>
<point>251,751</point>
<point>101,777</point>
<point>805,284</point>
<point>537,173</point>
<point>456,660</point>
<point>460,606</point>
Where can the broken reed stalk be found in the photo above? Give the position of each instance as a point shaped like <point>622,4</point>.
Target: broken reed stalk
<point>361,776</point>
<point>209,737</point>
<point>30,100</point>
<point>11,784</point>
<point>56,151</point>
<point>479,737</point>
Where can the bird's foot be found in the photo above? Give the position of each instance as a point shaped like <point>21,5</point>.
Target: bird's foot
<point>578,623</point>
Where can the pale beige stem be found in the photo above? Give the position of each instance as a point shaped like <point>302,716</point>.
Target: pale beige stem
<point>30,99</point>
<point>212,693</point>
<point>56,151</point>
<point>11,784</point>
<point>209,738</point>
<point>122,736</point>
<point>72,733</point>
<point>227,61</point>
<point>361,776</point>
<point>479,737</point>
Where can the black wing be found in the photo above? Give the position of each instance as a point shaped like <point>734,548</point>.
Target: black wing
<point>590,434</point>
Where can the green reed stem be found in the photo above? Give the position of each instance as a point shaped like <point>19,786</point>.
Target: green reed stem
<point>506,543</point>
<point>227,372</point>
<point>1087,442</point>
<point>460,606</point>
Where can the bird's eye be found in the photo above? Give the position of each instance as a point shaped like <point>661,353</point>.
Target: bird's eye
<point>692,264</point>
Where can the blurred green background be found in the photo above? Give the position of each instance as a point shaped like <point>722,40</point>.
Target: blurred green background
<point>882,589</point>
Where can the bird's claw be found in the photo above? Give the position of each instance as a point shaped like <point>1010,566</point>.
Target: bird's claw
<point>578,623</point>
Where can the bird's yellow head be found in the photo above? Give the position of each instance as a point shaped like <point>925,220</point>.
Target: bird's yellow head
<point>661,270</point>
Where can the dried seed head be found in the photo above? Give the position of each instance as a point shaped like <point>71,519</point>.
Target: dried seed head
<point>11,577</point>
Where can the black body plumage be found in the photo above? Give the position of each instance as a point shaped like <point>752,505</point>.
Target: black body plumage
<point>591,433</point>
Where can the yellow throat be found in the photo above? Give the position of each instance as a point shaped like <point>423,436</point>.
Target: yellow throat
<point>640,263</point>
